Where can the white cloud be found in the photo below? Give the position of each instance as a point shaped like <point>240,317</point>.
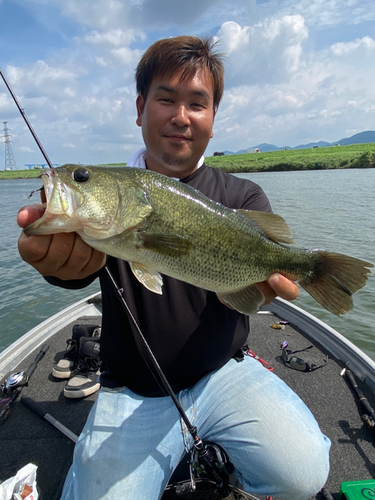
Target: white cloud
<point>365,45</point>
<point>330,13</point>
<point>26,149</point>
<point>296,70</point>
<point>268,51</point>
<point>140,14</point>
<point>40,78</point>
<point>113,37</point>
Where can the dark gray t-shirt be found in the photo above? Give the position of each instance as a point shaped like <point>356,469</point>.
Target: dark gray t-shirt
<point>189,331</point>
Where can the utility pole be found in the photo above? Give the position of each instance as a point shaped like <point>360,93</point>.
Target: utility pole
<point>10,162</point>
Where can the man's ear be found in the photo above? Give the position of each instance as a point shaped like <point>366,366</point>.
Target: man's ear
<point>140,105</point>
<point>212,132</point>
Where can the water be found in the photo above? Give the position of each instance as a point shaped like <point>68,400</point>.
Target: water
<point>330,209</point>
<point>26,298</point>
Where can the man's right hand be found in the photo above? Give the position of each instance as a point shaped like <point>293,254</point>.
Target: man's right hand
<point>63,255</point>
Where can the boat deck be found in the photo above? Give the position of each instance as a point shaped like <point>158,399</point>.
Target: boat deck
<point>25,437</point>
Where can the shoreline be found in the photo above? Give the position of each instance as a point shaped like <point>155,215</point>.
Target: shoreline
<point>328,158</point>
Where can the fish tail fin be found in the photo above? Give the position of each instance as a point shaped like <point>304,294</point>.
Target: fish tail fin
<point>340,276</point>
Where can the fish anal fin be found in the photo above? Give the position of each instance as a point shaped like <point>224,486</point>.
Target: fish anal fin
<point>273,225</point>
<point>170,245</point>
<point>246,301</point>
<point>152,280</point>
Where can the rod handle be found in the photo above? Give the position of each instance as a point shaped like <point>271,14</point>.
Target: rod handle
<point>34,364</point>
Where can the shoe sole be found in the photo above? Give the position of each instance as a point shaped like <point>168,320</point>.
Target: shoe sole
<point>81,393</point>
<point>61,375</point>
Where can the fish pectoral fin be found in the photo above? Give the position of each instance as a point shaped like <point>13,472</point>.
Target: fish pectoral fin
<point>246,301</point>
<point>170,245</point>
<point>273,225</point>
<point>152,280</point>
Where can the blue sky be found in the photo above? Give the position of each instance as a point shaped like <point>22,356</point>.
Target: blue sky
<point>297,71</point>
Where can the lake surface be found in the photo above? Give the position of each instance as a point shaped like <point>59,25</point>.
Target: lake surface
<point>327,209</point>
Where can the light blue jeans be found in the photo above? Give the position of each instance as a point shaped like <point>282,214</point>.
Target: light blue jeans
<point>131,445</point>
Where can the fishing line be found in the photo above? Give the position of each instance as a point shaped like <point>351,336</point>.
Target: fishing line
<point>33,192</point>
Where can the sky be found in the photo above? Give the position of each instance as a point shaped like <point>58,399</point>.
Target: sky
<point>297,71</point>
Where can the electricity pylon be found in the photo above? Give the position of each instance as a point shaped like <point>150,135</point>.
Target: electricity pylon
<point>10,162</point>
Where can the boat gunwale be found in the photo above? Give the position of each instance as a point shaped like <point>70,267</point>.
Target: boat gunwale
<point>13,355</point>
<point>329,338</point>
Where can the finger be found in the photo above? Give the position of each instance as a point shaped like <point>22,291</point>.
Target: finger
<point>82,260</point>
<point>267,291</point>
<point>59,252</point>
<point>29,214</point>
<point>283,287</point>
<point>33,249</point>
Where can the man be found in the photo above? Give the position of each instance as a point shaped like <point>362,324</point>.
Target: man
<point>133,438</point>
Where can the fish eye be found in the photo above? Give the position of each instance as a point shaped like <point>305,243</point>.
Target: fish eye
<point>81,175</point>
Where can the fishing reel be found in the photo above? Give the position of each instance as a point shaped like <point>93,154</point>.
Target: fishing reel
<point>14,381</point>
<point>209,462</point>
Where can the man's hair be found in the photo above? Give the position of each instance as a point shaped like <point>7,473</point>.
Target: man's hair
<point>185,54</point>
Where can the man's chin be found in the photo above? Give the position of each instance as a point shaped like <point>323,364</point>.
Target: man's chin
<point>175,159</point>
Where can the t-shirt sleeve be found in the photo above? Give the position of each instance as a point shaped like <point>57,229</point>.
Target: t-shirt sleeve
<point>256,199</point>
<point>72,284</point>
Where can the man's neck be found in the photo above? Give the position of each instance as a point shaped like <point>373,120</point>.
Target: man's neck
<point>178,172</point>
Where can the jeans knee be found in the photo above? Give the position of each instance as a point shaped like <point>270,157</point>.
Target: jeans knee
<point>308,475</point>
<point>295,473</point>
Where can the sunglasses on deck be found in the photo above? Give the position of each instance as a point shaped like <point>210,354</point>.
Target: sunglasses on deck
<point>297,363</point>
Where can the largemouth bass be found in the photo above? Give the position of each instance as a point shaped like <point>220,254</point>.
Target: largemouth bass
<point>163,226</point>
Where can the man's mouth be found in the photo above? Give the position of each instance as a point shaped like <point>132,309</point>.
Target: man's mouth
<point>177,137</point>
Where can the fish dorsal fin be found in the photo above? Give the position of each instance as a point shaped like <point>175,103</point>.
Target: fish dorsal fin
<point>170,245</point>
<point>246,301</point>
<point>273,225</point>
<point>152,280</point>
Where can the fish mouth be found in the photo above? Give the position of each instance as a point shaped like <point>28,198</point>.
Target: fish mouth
<point>61,201</point>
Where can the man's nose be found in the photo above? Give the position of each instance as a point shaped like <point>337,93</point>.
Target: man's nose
<point>181,116</point>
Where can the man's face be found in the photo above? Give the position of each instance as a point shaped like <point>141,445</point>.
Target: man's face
<point>177,119</point>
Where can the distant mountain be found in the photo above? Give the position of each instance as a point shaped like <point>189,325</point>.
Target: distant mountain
<point>320,144</point>
<point>361,138</point>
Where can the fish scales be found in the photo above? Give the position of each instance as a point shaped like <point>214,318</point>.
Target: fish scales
<point>160,225</point>
<point>221,239</point>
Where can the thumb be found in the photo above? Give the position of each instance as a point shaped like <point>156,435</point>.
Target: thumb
<point>29,214</point>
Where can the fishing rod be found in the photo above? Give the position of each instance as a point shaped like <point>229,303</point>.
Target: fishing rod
<point>23,114</point>
<point>369,416</point>
<point>191,428</point>
<point>208,460</point>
